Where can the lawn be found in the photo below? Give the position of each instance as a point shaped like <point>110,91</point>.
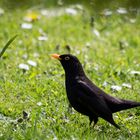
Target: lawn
<point>33,103</point>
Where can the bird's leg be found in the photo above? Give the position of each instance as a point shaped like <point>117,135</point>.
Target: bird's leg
<point>111,120</point>
<point>90,120</point>
<point>95,119</point>
<point>113,123</point>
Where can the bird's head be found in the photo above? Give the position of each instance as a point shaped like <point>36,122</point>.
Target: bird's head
<point>70,63</point>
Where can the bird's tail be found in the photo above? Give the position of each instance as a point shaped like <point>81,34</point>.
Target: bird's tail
<point>129,104</point>
<point>125,104</point>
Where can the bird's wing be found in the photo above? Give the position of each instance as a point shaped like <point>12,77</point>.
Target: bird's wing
<point>95,103</point>
<point>113,103</point>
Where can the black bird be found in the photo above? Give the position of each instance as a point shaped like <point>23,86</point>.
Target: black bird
<point>85,97</point>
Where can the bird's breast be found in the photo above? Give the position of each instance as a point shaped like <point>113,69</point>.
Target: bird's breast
<point>71,90</point>
<point>72,95</point>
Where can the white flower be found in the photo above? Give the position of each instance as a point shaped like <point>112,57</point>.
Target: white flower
<point>132,20</point>
<point>1,11</point>
<point>36,54</point>
<point>122,10</point>
<point>129,118</point>
<point>116,88</point>
<point>127,85</point>
<point>71,11</point>
<point>43,38</point>
<point>25,56</point>
<point>23,66</point>
<point>26,26</point>
<point>44,12</point>
<point>105,83</point>
<point>96,32</point>
<point>32,63</point>
<point>133,72</point>
<point>88,44</point>
<point>39,104</point>
<point>107,12</point>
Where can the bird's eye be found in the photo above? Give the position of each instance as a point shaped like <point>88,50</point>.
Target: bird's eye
<point>67,58</point>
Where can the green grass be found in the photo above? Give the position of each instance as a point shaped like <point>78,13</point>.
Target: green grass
<point>24,91</point>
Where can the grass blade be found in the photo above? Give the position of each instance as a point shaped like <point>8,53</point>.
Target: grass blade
<point>7,44</point>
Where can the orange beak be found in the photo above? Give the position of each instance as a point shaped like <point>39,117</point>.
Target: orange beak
<point>56,56</point>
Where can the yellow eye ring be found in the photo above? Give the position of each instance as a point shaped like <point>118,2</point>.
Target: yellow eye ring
<point>67,58</point>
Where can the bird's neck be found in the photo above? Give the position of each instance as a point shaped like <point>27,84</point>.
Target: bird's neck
<point>74,71</point>
<point>71,75</point>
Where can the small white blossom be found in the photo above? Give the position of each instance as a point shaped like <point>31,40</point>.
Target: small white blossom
<point>88,44</point>
<point>36,54</point>
<point>133,72</point>
<point>129,118</point>
<point>1,11</point>
<point>25,56</point>
<point>39,104</point>
<point>107,12</point>
<point>26,26</point>
<point>105,83</point>
<point>32,63</point>
<point>23,66</point>
<point>116,88</point>
<point>122,11</point>
<point>132,20</point>
<point>43,38</point>
<point>127,85</point>
<point>96,32</point>
<point>71,11</point>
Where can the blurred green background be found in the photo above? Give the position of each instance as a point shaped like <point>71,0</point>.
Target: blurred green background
<point>103,34</point>
<point>96,5</point>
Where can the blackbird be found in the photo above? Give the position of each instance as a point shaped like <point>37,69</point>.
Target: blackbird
<point>85,97</point>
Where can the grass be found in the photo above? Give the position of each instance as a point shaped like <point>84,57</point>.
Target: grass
<point>7,45</point>
<point>40,91</point>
